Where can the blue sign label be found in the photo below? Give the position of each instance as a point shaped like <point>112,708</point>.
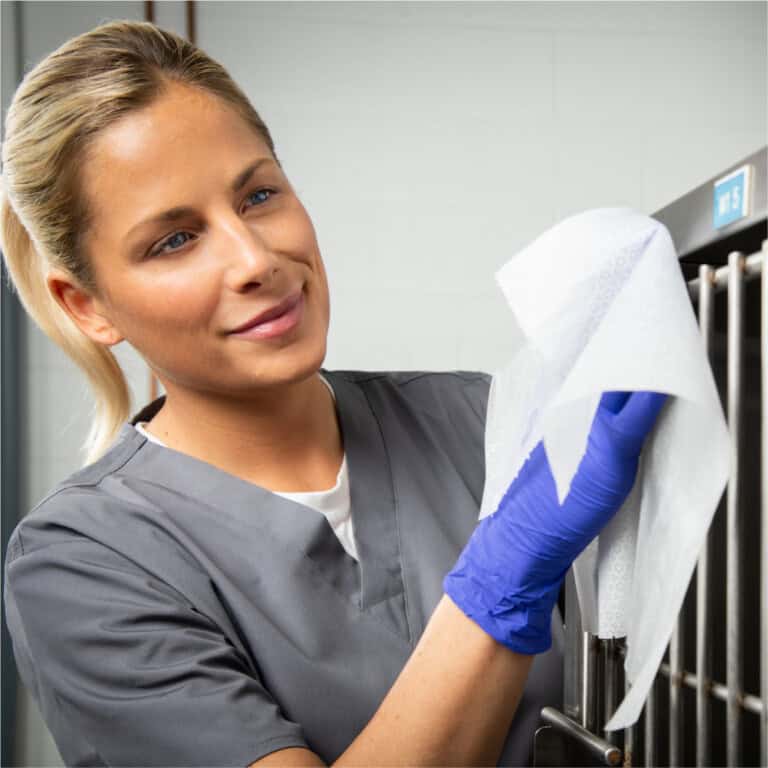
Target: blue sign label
<point>732,197</point>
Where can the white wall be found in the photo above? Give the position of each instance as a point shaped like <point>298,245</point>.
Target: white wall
<point>431,141</point>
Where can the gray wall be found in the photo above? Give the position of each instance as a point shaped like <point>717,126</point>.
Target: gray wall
<point>429,142</point>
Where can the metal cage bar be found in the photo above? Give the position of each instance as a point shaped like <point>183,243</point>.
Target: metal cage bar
<point>747,701</point>
<point>676,694</point>
<point>703,624</point>
<point>629,738</point>
<point>650,727</point>
<point>734,524</point>
<point>764,515</point>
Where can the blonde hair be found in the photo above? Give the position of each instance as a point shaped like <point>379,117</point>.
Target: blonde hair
<point>61,105</point>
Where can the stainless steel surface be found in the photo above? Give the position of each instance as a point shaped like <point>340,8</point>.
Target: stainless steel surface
<point>675,694</point>
<point>573,653</point>
<point>734,523</point>
<point>589,685</point>
<point>764,515</point>
<point>629,741</point>
<point>747,701</point>
<point>650,726</point>
<point>703,626</point>
<point>610,684</point>
<point>689,219</point>
<point>752,268</point>
<point>607,753</point>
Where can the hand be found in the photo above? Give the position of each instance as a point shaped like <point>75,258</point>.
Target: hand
<point>508,576</point>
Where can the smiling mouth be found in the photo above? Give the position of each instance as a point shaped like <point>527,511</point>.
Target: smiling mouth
<point>270,314</point>
<point>290,314</point>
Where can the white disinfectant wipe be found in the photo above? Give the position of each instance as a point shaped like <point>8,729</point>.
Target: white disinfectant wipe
<point>603,305</point>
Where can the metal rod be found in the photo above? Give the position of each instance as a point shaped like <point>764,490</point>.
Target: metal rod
<point>589,670</point>
<point>609,686</point>
<point>752,268</point>
<point>604,751</point>
<point>650,726</point>
<point>703,640</point>
<point>629,733</point>
<point>675,694</point>
<point>629,746</point>
<point>764,524</point>
<point>747,701</point>
<point>733,520</point>
<point>573,658</point>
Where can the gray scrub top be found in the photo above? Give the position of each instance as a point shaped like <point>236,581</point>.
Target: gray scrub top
<point>164,612</point>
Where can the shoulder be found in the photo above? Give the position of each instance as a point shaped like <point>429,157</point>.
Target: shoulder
<point>75,507</point>
<point>95,515</point>
<point>83,524</point>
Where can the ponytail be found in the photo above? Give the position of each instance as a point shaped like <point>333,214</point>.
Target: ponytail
<point>27,270</point>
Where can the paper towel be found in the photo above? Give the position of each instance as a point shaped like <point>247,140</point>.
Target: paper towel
<point>603,305</point>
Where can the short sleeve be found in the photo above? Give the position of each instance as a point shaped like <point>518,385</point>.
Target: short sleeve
<point>126,672</point>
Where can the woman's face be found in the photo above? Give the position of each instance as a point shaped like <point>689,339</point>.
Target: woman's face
<point>230,246</point>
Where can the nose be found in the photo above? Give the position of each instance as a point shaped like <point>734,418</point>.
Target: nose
<point>246,252</point>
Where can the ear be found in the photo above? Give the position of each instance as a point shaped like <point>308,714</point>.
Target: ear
<point>86,311</point>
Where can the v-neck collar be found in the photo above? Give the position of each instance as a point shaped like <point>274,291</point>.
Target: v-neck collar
<point>375,583</point>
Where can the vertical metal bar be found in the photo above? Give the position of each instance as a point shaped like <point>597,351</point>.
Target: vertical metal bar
<point>573,657</point>
<point>764,523</point>
<point>733,524</point>
<point>650,727</point>
<point>703,638</point>
<point>629,741</point>
<point>589,669</point>
<point>676,694</point>
<point>609,686</point>
<point>631,732</point>
<point>599,702</point>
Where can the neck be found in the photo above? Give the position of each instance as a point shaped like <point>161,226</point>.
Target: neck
<point>288,439</point>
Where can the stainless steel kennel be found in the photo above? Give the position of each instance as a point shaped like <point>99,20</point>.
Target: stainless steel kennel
<point>709,701</point>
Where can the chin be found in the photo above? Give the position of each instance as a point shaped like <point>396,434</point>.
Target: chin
<point>314,361</point>
<point>306,362</point>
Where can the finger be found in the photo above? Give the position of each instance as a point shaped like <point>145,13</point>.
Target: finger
<point>614,401</point>
<point>640,412</point>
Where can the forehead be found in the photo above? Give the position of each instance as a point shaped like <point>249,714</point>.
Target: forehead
<point>163,155</point>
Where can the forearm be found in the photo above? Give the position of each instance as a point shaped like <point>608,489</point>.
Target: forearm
<point>452,703</point>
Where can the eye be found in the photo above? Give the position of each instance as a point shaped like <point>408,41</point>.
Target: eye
<point>261,192</point>
<point>163,246</point>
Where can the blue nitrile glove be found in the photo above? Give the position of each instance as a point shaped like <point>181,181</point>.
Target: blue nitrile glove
<point>508,576</point>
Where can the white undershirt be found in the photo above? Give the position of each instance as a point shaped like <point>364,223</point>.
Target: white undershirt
<point>333,503</point>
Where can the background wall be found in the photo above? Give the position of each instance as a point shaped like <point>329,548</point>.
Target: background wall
<point>430,142</point>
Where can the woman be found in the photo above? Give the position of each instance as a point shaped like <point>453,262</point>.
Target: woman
<point>264,565</point>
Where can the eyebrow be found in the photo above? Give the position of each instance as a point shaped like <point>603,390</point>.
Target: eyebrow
<point>179,212</point>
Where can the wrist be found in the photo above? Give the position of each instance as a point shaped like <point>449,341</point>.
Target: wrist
<point>520,620</point>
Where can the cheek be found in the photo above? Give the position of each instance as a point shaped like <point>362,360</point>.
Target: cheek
<point>190,303</point>
<point>321,286</point>
<point>170,303</point>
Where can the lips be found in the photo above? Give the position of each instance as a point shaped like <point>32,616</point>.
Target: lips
<point>270,314</point>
